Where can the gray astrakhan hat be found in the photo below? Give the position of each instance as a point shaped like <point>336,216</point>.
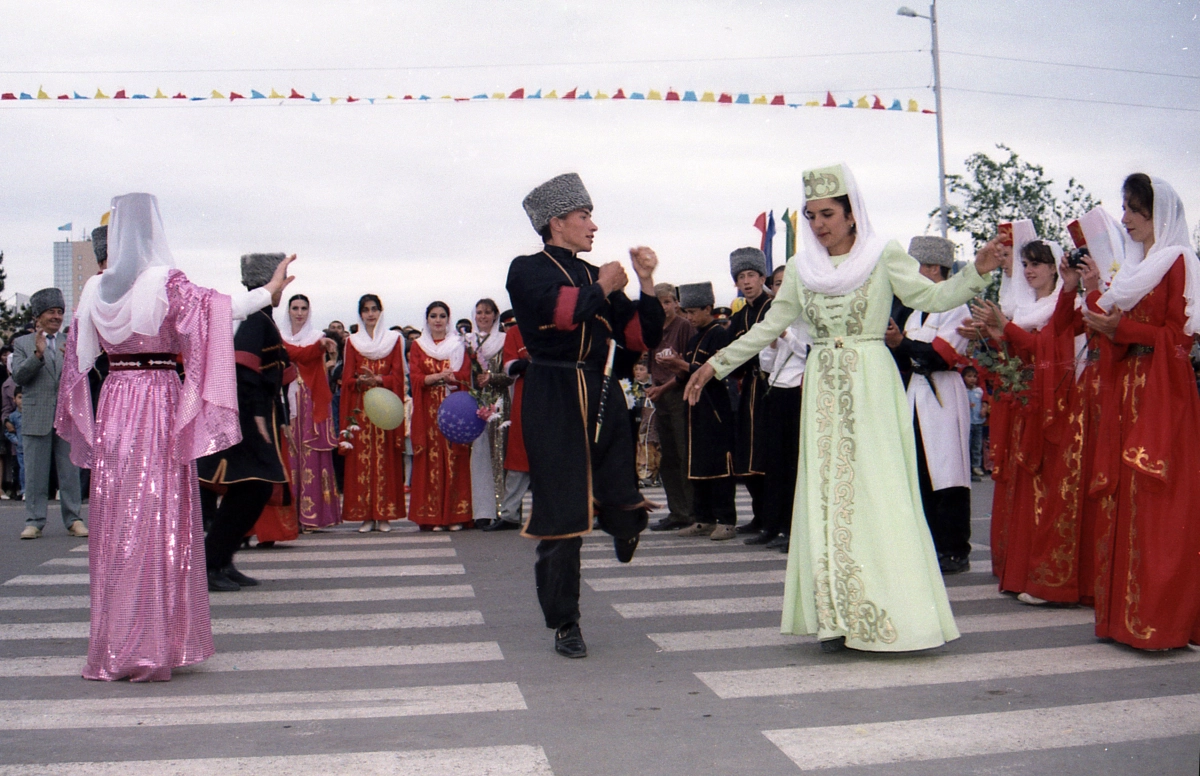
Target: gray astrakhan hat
<point>46,299</point>
<point>696,295</point>
<point>100,243</point>
<point>257,268</point>
<point>747,258</point>
<point>555,198</point>
<point>932,250</point>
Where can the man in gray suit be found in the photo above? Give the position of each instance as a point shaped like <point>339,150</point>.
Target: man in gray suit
<point>36,367</point>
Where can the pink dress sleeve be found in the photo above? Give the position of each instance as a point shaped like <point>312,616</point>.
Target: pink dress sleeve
<point>207,420</point>
<point>73,418</point>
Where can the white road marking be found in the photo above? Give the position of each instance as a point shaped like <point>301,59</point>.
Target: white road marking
<point>685,560</point>
<point>323,572</point>
<point>260,707</point>
<point>918,740</point>
<point>256,597</point>
<point>305,556</point>
<point>769,603</point>
<point>473,761</point>
<point>773,577</point>
<point>908,670</point>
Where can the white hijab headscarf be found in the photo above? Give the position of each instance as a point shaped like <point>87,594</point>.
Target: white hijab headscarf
<point>371,348</point>
<point>452,348</point>
<point>1139,276</point>
<point>1018,300</point>
<point>816,269</point>
<point>487,346</point>
<point>308,333</point>
<point>130,297</point>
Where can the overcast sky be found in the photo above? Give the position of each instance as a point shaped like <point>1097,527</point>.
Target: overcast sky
<point>418,202</point>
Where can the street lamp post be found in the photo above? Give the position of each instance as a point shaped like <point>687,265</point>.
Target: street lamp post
<point>937,96</point>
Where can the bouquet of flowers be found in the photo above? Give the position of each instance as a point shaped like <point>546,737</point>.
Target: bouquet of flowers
<point>1008,372</point>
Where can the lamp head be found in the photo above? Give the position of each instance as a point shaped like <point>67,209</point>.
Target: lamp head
<point>904,10</point>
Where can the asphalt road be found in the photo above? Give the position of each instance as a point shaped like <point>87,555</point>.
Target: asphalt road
<point>426,654</point>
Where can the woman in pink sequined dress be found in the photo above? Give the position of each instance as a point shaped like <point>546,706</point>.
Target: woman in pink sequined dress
<point>149,596</point>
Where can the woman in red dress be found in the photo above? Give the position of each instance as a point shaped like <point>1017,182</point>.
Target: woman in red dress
<point>1147,462</point>
<point>1039,535</point>
<point>441,481</point>
<point>374,483</point>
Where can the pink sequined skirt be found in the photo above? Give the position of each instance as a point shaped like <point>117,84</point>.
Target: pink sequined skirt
<point>149,590</point>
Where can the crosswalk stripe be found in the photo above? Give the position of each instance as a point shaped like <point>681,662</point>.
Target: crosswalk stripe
<point>255,597</point>
<point>969,735</point>
<point>304,556</point>
<point>653,545</point>
<point>472,761</point>
<point>260,707</point>
<point>929,669</point>
<point>769,603</point>
<point>348,539</point>
<point>284,659</point>
<point>973,592</point>
<point>740,638</point>
<point>684,560</point>
<point>314,573</point>
<point>775,576</point>
<point>262,625</point>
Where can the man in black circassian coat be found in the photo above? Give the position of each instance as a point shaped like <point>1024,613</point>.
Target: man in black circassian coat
<point>248,472</point>
<point>581,454</point>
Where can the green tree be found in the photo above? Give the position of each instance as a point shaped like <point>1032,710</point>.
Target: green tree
<point>1010,190</point>
<point>12,318</point>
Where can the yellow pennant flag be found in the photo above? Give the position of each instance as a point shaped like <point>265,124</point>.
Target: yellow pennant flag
<point>762,100</point>
<point>862,103</point>
<point>601,96</point>
<point>813,104</point>
<point>217,95</point>
<point>654,95</point>
<point>708,97</point>
<point>553,95</point>
<point>390,97</point>
<point>42,95</point>
<point>276,95</point>
<point>912,106</point>
<point>104,218</point>
<point>333,100</point>
<point>100,95</point>
<point>497,95</point>
<point>158,94</point>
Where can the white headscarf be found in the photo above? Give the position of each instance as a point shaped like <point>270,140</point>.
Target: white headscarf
<point>488,346</point>
<point>1139,276</point>
<point>816,269</point>
<point>372,348</point>
<point>451,349</point>
<point>1018,300</point>
<point>308,333</point>
<point>1106,241</point>
<point>130,297</point>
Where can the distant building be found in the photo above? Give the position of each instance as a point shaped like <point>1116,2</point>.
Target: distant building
<point>74,264</point>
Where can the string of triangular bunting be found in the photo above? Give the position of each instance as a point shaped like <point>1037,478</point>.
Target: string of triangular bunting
<point>670,95</point>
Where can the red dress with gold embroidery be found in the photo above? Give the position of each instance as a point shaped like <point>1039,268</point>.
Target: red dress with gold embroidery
<point>1147,477</point>
<point>1039,535</point>
<point>441,476</point>
<point>374,481</point>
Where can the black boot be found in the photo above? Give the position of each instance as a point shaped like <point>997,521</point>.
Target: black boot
<point>568,641</point>
<point>219,583</point>
<point>625,548</point>
<point>238,577</point>
<point>766,537</point>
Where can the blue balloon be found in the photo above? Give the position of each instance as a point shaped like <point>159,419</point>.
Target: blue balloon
<point>458,418</point>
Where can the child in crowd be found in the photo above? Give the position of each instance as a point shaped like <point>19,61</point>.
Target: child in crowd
<point>645,438</point>
<point>979,409</point>
<point>12,432</point>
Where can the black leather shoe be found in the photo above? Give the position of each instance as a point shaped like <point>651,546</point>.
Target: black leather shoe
<point>219,583</point>
<point>238,577</point>
<point>568,641</point>
<point>667,524</point>
<point>483,522</point>
<point>833,645</point>
<point>950,564</point>
<point>500,525</point>
<point>752,527</point>
<point>779,542</point>
<point>625,548</point>
<point>762,538</point>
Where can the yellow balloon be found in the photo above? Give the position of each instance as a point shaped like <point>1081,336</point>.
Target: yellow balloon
<point>383,408</point>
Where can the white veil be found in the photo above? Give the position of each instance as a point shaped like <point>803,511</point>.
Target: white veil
<point>371,348</point>
<point>130,297</point>
<point>308,333</point>
<point>814,266</point>
<point>1139,276</point>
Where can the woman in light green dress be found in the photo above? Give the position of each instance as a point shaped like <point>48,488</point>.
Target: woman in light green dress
<point>862,570</point>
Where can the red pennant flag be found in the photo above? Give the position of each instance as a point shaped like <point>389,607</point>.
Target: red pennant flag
<point>878,104</point>
<point>930,112</point>
<point>64,96</point>
<point>408,96</point>
<point>351,99</point>
<point>760,224</point>
<point>519,94</point>
<point>725,98</point>
<point>778,100</point>
<point>235,96</point>
<point>620,95</point>
<point>570,95</point>
<point>295,95</point>
<point>672,95</point>
<point>8,96</point>
<point>829,101</point>
<point>120,95</point>
<point>180,96</point>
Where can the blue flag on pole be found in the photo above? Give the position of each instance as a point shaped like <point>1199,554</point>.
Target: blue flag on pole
<point>768,240</point>
<point>65,228</point>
